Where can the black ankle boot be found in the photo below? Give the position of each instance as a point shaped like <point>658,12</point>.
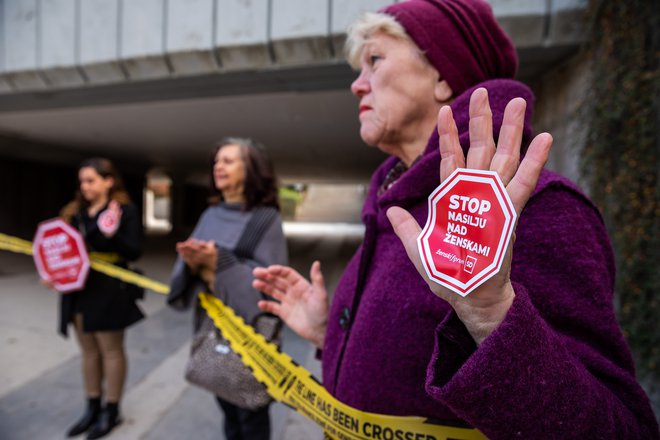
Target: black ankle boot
<point>107,420</point>
<point>88,419</point>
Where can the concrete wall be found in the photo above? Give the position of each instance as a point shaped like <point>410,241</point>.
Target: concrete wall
<point>28,195</point>
<point>69,43</point>
<point>560,95</point>
<point>54,44</point>
<point>66,44</point>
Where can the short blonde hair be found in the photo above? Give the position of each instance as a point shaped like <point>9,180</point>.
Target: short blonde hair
<point>364,27</point>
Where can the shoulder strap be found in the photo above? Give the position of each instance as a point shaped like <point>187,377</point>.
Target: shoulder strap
<point>254,230</point>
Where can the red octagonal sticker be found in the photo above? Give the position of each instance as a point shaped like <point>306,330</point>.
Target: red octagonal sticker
<point>471,219</point>
<point>60,255</point>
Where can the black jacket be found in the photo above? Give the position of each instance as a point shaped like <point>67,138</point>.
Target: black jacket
<point>105,303</point>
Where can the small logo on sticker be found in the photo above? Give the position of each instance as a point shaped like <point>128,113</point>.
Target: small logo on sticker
<point>470,262</point>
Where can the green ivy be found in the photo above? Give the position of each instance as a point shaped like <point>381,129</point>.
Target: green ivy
<point>620,161</point>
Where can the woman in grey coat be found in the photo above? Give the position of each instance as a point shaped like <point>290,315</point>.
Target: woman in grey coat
<point>240,230</point>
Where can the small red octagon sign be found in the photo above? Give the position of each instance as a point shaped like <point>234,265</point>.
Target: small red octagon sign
<point>470,223</point>
<point>60,255</point>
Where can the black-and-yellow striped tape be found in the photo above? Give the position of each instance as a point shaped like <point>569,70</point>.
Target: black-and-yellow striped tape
<point>285,381</point>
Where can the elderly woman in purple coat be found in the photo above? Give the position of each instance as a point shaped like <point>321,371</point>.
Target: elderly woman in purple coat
<point>533,353</point>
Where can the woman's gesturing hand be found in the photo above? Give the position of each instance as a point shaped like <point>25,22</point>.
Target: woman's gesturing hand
<point>483,309</point>
<point>302,305</point>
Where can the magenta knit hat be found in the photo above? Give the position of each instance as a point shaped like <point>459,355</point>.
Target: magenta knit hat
<point>461,39</point>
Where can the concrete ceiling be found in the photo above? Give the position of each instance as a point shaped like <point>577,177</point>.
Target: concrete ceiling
<point>305,116</point>
<point>312,135</point>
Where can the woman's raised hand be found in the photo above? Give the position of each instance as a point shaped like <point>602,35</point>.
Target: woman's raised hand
<point>484,308</point>
<point>302,305</point>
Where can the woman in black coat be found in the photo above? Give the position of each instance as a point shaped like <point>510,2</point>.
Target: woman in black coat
<point>100,312</point>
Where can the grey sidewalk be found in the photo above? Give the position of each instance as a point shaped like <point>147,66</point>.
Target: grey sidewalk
<point>40,382</point>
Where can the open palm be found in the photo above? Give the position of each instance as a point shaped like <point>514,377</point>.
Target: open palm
<point>302,305</point>
<point>483,309</point>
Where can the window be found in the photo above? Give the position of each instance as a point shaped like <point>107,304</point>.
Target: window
<point>158,203</point>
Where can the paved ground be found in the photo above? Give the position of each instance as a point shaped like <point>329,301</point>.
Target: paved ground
<point>40,382</point>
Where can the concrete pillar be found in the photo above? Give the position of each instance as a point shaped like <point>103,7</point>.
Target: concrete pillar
<point>300,31</point>
<point>21,49</point>
<point>99,41</point>
<point>143,39</point>
<point>344,13</point>
<point>241,36</point>
<point>560,96</point>
<point>58,42</point>
<point>190,34</point>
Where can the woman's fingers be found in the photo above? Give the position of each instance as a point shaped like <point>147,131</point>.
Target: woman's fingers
<point>269,289</point>
<point>450,148</point>
<point>182,245</point>
<point>281,285</point>
<point>522,184</point>
<point>316,276</point>
<point>482,145</point>
<point>507,155</point>
<point>47,283</point>
<point>276,280</point>
<point>270,307</point>
<point>267,283</point>
<point>406,228</point>
<point>270,273</point>
<point>519,177</point>
<point>190,250</point>
<point>260,272</point>
<point>187,254</point>
<point>285,273</point>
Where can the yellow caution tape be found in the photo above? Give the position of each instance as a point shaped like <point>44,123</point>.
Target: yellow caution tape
<point>15,248</point>
<point>286,381</point>
<point>293,385</point>
<point>108,257</point>
<point>98,261</point>
<point>129,276</point>
<point>14,244</point>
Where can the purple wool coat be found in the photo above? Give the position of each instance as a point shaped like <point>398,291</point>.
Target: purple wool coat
<point>556,368</point>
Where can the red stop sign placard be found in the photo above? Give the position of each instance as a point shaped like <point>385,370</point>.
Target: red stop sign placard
<point>60,255</point>
<point>470,223</point>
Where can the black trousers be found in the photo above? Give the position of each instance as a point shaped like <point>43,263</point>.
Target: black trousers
<point>245,424</point>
